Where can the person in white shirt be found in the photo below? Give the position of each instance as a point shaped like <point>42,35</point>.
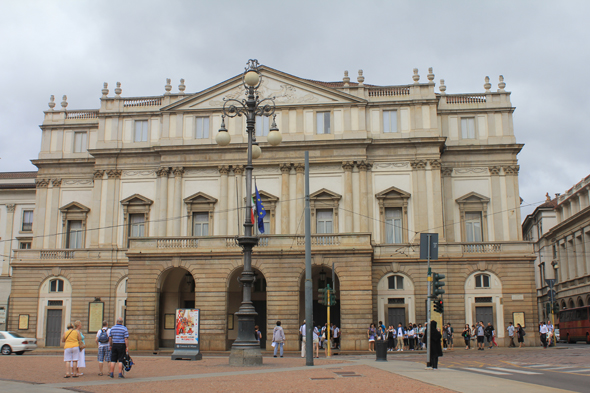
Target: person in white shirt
<point>336,337</point>
<point>316,341</point>
<point>510,329</point>
<point>543,332</point>
<point>302,330</point>
<point>400,338</point>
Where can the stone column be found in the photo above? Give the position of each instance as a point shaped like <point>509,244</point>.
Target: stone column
<point>293,201</point>
<point>364,197</point>
<point>300,169</point>
<point>514,201</point>
<point>40,210</point>
<point>10,244</point>
<point>420,202</point>
<point>437,209</point>
<point>347,197</point>
<point>110,233</point>
<point>239,172</point>
<point>223,171</point>
<point>94,216</point>
<point>371,220</point>
<point>356,197</point>
<point>497,210</point>
<point>285,169</point>
<point>506,203</point>
<point>54,221</point>
<point>162,203</point>
<point>177,201</point>
<point>448,205</point>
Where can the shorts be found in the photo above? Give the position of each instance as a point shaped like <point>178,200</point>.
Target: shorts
<point>450,340</point>
<point>480,339</point>
<point>489,338</point>
<point>316,340</point>
<point>118,353</point>
<point>104,353</point>
<point>71,354</point>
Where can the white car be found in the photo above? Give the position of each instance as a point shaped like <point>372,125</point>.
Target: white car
<point>14,342</point>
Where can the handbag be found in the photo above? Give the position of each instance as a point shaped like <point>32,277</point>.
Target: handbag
<point>80,343</point>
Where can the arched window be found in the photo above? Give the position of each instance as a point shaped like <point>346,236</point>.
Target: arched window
<point>482,281</point>
<point>56,285</point>
<point>570,304</point>
<point>395,282</point>
<point>580,302</point>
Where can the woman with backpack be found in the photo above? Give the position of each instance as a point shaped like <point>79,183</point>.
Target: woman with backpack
<point>102,340</point>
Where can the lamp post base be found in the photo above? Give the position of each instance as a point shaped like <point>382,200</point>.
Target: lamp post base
<point>245,357</point>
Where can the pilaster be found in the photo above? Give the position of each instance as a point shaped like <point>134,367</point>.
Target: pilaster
<point>347,197</point>
<point>40,210</point>
<point>285,170</point>
<point>177,201</point>
<point>162,202</point>
<point>94,216</point>
<point>223,171</point>
<point>300,169</point>
<point>364,208</point>
<point>9,244</point>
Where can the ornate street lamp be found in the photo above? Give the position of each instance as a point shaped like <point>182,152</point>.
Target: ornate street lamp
<point>245,350</point>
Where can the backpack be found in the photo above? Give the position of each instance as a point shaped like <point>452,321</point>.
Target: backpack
<point>103,338</point>
<point>523,333</point>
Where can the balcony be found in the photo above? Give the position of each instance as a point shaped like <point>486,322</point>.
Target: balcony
<point>458,250</point>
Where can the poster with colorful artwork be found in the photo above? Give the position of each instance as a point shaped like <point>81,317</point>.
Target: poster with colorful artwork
<point>187,328</point>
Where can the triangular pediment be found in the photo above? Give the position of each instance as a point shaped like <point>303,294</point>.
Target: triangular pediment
<point>325,194</point>
<point>265,196</point>
<point>473,197</point>
<point>74,207</point>
<point>200,197</point>
<point>136,199</point>
<point>287,90</point>
<point>392,192</point>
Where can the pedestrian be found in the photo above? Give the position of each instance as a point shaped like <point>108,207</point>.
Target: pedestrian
<point>371,334</point>
<point>450,336</point>
<point>521,333</point>
<point>445,335</point>
<point>550,334</point>
<point>71,338</point>
<point>466,336</point>
<point>278,338</point>
<point>435,347</point>
<point>381,330</point>
<point>489,332</point>
<point>543,333</point>
<point>510,329</point>
<point>400,337</point>
<point>119,342</point>
<point>302,333</point>
<point>316,341</point>
<point>411,337</point>
<point>390,338</point>
<point>336,337</point>
<point>421,336</point>
<point>480,336</point>
<point>102,340</point>
<point>257,334</point>
<point>82,356</point>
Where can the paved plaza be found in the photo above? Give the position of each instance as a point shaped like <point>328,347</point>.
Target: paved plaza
<point>502,369</point>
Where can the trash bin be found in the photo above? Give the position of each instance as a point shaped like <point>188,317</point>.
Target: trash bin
<point>381,350</point>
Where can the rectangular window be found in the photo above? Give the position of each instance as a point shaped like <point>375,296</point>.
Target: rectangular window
<point>74,234</point>
<point>482,281</point>
<point>473,227</point>
<point>324,221</point>
<point>468,128</point>
<point>395,282</point>
<point>262,125</point>
<point>141,131</point>
<point>201,224</point>
<point>393,225</point>
<point>56,286</point>
<point>542,273</point>
<point>202,128</point>
<point>389,121</point>
<point>266,222</point>
<point>136,225</point>
<point>24,245</point>
<point>27,221</point>
<point>323,122</point>
<point>80,142</point>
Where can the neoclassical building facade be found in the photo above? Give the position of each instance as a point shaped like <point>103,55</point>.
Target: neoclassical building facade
<point>137,210</point>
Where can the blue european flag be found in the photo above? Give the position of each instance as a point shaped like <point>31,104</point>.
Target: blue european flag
<point>260,212</point>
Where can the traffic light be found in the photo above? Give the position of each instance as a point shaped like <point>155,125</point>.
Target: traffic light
<point>439,306</point>
<point>437,284</point>
<point>323,296</point>
<point>332,297</point>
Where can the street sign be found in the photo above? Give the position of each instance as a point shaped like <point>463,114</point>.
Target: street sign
<point>550,282</point>
<point>429,241</point>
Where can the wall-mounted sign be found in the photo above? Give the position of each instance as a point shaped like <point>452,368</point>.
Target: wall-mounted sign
<point>187,329</point>
<point>23,322</point>
<point>95,316</point>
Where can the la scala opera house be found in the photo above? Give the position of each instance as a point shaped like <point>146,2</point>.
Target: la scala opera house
<point>137,211</point>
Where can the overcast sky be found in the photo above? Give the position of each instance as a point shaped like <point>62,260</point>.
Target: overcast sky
<point>541,48</point>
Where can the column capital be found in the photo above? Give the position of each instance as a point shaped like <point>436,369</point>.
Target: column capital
<point>347,165</point>
<point>418,164</point>
<point>114,173</point>
<point>56,182</point>
<point>41,183</point>
<point>363,165</point>
<point>446,171</point>
<point>178,171</point>
<point>10,208</point>
<point>494,170</point>
<point>98,175</point>
<point>285,168</point>
<point>163,172</point>
<point>223,169</point>
<point>434,164</point>
<point>238,170</point>
<point>300,168</point>
<point>511,169</point>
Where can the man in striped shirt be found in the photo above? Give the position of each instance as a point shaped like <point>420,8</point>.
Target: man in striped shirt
<point>119,342</point>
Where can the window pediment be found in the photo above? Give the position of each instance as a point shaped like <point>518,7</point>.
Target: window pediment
<point>74,207</point>
<point>392,193</point>
<point>325,194</point>
<point>136,200</point>
<point>200,198</point>
<point>472,197</point>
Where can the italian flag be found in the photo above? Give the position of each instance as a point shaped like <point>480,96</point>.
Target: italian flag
<point>252,210</point>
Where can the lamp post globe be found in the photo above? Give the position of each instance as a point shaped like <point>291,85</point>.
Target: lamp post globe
<point>222,138</point>
<point>256,152</point>
<point>251,78</point>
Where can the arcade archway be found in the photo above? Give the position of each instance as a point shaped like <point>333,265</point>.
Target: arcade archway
<point>321,276</point>
<point>177,290</point>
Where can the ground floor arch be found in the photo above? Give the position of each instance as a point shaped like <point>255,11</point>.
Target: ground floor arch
<point>234,300</point>
<point>396,302</point>
<point>321,277</point>
<point>176,290</point>
<point>484,300</point>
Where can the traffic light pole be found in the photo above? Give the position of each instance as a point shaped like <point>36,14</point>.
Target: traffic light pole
<point>428,316</point>
<point>328,327</point>
<point>308,283</point>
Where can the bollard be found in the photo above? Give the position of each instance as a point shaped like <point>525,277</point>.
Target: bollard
<point>381,350</point>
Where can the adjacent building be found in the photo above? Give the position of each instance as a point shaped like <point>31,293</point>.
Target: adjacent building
<point>137,210</point>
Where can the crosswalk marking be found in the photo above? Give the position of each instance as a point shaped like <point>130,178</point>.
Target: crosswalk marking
<point>483,370</point>
<point>514,371</point>
<point>582,370</point>
<point>539,365</point>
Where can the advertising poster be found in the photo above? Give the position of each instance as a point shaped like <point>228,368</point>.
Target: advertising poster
<point>187,328</point>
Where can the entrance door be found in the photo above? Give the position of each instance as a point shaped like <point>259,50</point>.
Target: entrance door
<point>485,314</point>
<point>53,328</point>
<point>260,320</point>
<point>396,316</point>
